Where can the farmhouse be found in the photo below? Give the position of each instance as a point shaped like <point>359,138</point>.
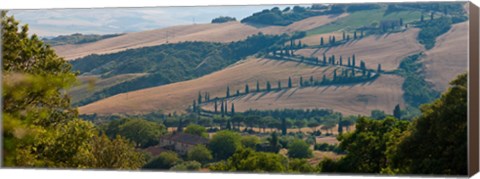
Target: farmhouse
<point>181,142</point>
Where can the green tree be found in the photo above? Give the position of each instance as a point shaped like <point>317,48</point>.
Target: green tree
<point>300,166</point>
<point>228,92</point>
<point>247,160</point>
<point>250,141</point>
<point>223,144</point>
<point>321,41</point>
<point>366,147</point>
<point>142,132</point>
<point>397,113</point>
<point>187,166</point>
<point>289,82</point>
<point>105,154</point>
<point>377,114</point>
<point>436,143</point>
<point>269,87</point>
<point>299,149</point>
<point>197,130</point>
<point>233,109</point>
<point>247,89</point>
<point>40,127</point>
<point>199,153</point>
<point>163,161</point>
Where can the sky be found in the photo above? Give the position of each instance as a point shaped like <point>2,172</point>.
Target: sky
<point>54,22</point>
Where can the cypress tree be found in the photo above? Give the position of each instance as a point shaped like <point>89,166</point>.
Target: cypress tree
<point>301,81</point>
<point>299,44</point>
<point>194,106</point>
<point>247,89</point>
<point>379,68</point>
<point>229,125</point>
<point>324,79</point>
<point>222,110</point>
<point>321,41</point>
<point>258,86</point>
<point>334,74</point>
<point>369,74</point>
<point>226,108</point>
<point>311,79</point>
<point>289,82</point>
<point>341,60</point>
<point>348,61</point>
<point>397,113</point>
<point>199,98</point>
<point>333,39</point>
<point>206,97</point>
<point>353,60</point>
<point>228,92</point>
<point>343,35</point>
<point>340,126</point>
<point>269,87</point>
<point>284,126</point>
<point>279,84</point>
<point>216,106</point>
<point>348,37</point>
<point>233,109</point>
<point>355,35</point>
<point>324,59</point>
<point>238,93</point>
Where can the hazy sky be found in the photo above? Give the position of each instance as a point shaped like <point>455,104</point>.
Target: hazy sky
<point>55,22</point>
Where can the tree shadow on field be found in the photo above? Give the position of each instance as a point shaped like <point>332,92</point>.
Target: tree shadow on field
<point>293,92</point>
<point>280,94</point>
<point>260,96</point>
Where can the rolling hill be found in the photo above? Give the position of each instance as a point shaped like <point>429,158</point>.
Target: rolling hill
<point>388,49</point>
<point>224,32</point>
<point>178,96</point>
<point>448,58</point>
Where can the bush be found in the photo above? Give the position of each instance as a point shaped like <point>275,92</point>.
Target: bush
<point>223,19</point>
<point>199,153</point>
<point>299,149</point>
<point>224,143</point>
<point>165,160</point>
<point>187,166</point>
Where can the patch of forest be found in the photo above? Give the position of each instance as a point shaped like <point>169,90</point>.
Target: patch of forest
<point>77,38</point>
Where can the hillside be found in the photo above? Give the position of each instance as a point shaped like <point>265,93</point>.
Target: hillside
<point>215,32</point>
<point>383,94</point>
<point>387,50</point>
<point>448,58</point>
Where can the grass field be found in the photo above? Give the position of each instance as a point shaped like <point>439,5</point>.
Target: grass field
<point>362,18</point>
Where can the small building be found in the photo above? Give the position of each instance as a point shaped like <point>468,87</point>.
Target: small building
<point>181,142</point>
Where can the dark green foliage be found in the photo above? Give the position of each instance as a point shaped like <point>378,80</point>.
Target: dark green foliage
<point>277,17</point>
<point>366,146</point>
<point>142,132</point>
<point>430,30</point>
<point>164,161</point>
<point>77,38</point>
<point>299,149</point>
<point>361,7</point>
<point>223,144</point>
<point>247,160</point>
<point>228,92</point>
<point>187,166</point>
<point>327,147</point>
<point>377,114</point>
<point>223,19</point>
<point>397,113</point>
<point>417,91</point>
<point>168,63</point>
<point>437,141</point>
<point>300,166</point>
<point>289,82</point>
<point>269,87</point>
